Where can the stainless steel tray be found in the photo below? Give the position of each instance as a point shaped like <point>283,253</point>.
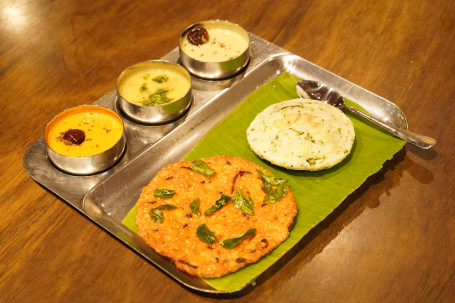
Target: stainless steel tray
<point>106,198</point>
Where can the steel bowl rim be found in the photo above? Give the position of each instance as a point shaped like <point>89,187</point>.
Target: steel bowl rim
<point>153,61</point>
<point>118,147</point>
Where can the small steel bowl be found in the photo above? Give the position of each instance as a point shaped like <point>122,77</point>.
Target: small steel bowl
<point>89,162</point>
<point>216,58</point>
<point>154,114</point>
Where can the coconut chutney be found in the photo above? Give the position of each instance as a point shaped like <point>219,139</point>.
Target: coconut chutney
<point>225,42</point>
<point>152,84</point>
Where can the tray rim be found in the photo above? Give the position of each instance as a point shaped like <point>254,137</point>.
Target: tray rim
<point>105,224</point>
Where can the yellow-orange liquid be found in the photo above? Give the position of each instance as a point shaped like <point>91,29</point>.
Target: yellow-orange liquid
<point>102,128</point>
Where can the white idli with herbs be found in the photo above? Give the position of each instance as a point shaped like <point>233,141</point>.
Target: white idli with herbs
<point>301,134</point>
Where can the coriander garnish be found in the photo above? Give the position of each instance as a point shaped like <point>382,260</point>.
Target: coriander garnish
<point>161,79</point>
<point>243,202</point>
<point>163,193</point>
<point>273,194</point>
<point>194,205</point>
<point>157,215</point>
<point>205,234</point>
<point>230,243</point>
<point>201,167</point>
<point>217,205</point>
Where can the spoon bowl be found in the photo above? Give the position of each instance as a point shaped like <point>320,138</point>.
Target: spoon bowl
<point>318,91</point>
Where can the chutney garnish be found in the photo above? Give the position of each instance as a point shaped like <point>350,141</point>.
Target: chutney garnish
<point>198,35</point>
<point>72,137</point>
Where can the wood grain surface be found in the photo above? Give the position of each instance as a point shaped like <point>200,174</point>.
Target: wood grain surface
<point>392,240</point>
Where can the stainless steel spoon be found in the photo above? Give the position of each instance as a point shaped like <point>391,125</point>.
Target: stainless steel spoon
<point>318,91</point>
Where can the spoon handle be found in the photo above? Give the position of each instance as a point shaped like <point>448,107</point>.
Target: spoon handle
<point>415,139</point>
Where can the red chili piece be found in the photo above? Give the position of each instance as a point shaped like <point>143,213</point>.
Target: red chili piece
<point>198,35</point>
<point>74,137</point>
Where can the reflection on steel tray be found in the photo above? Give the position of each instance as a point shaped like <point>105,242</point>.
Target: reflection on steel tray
<point>149,148</point>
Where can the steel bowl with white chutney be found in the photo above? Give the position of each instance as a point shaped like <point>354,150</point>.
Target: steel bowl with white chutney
<point>214,49</point>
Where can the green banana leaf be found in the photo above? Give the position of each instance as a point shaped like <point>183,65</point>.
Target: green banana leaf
<point>317,193</point>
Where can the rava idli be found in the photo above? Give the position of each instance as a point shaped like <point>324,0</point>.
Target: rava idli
<point>301,134</point>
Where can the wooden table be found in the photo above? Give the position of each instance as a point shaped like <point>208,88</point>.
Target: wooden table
<point>392,240</point>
